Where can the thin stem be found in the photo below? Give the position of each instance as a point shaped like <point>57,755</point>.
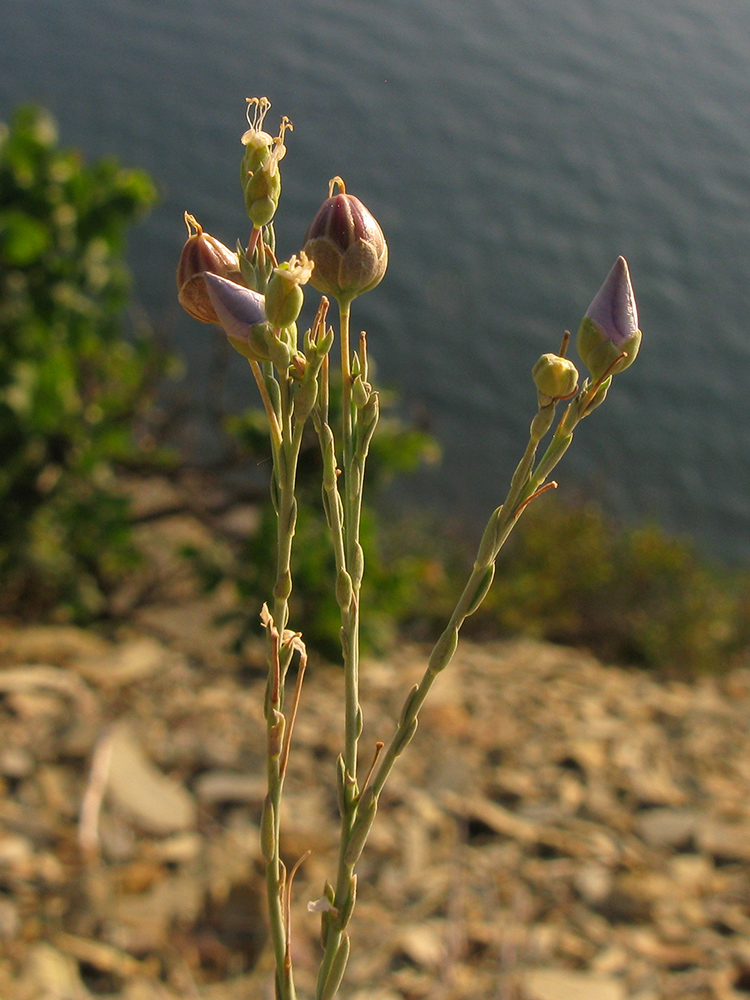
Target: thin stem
<point>283,761</point>
<point>345,526</point>
<point>281,645</point>
<point>273,420</point>
<point>352,500</point>
<point>527,483</point>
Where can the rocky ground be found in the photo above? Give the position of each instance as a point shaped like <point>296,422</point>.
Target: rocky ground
<point>558,830</point>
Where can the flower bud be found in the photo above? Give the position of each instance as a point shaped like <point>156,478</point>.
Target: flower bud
<point>240,312</point>
<point>554,377</point>
<point>260,175</point>
<point>284,296</point>
<point>202,254</point>
<point>361,392</point>
<point>346,245</point>
<point>610,327</point>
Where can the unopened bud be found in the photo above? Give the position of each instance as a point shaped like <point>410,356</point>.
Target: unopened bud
<point>284,295</point>
<point>347,246</point>
<point>609,329</point>
<point>240,312</point>
<point>361,392</point>
<point>554,377</point>
<point>201,255</point>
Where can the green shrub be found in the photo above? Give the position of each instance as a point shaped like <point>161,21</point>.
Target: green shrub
<point>72,384</point>
<point>630,595</point>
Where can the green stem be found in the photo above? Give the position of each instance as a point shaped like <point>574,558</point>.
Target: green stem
<point>352,499</point>
<point>345,526</point>
<point>286,455</point>
<point>525,482</point>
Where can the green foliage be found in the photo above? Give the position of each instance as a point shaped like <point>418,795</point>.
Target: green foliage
<point>72,386</point>
<point>631,596</point>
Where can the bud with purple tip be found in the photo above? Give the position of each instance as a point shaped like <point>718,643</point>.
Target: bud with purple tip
<point>609,329</point>
<point>346,245</point>
<point>241,313</point>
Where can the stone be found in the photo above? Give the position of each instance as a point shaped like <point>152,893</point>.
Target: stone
<point>725,841</point>
<point>228,786</point>
<point>151,799</point>
<point>422,944</point>
<point>127,663</point>
<point>562,984</point>
<point>52,975</point>
<point>664,827</point>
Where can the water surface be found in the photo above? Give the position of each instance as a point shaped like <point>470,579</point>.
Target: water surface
<point>510,152</point>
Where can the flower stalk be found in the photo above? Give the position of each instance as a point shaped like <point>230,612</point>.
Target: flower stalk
<point>257,303</point>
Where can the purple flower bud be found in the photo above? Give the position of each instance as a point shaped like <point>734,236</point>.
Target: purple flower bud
<point>236,306</point>
<point>241,312</point>
<point>610,327</point>
<point>202,254</point>
<point>614,305</point>
<point>347,246</point>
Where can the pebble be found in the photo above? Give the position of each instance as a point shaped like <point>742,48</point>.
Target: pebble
<point>228,786</point>
<point>154,801</point>
<point>557,829</point>
<point>560,984</point>
<point>666,827</point>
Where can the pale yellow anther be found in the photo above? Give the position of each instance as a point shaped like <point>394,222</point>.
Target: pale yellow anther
<point>296,269</point>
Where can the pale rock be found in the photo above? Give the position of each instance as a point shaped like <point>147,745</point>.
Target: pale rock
<point>664,827</point>
<point>139,921</point>
<point>563,984</point>
<point>154,801</point>
<point>691,870</point>
<point>241,521</point>
<point>178,848</point>
<point>655,788</point>
<point>725,841</point>
<point>612,960</point>
<point>16,762</point>
<point>59,645</point>
<point>15,850</point>
<point>423,944</point>
<point>593,881</point>
<point>9,919</point>
<point>228,786</point>
<point>50,975</point>
<point>128,663</point>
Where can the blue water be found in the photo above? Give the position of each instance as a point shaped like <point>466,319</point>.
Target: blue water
<point>510,151</point>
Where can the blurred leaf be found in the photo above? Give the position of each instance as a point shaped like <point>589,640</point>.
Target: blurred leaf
<point>73,376</point>
<point>23,240</point>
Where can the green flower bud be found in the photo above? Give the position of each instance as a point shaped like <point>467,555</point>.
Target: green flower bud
<point>554,378</point>
<point>346,245</point>
<point>260,175</point>
<point>202,254</point>
<point>610,327</point>
<point>281,345</point>
<point>284,296</point>
<point>361,392</point>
